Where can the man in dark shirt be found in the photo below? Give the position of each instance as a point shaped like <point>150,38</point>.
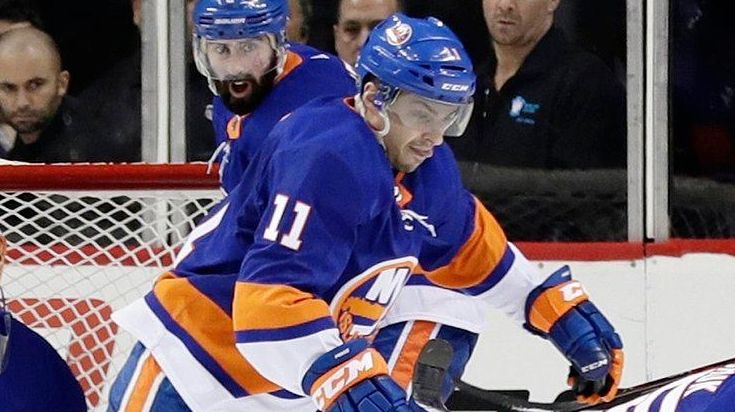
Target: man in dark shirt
<point>32,98</point>
<point>540,102</point>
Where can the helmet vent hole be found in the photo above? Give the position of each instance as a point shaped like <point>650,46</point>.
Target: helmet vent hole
<point>454,68</point>
<point>428,80</point>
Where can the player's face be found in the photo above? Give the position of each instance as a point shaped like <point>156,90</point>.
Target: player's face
<point>31,90</point>
<point>243,70</point>
<point>518,22</point>
<point>416,126</point>
<point>356,19</point>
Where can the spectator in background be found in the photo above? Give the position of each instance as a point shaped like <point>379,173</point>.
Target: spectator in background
<point>703,89</point>
<point>299,18</point>
<point>113,101</point>
<point>14,14</point>
<point>355,20</point>
<point>33,99</point>
<point>540,102</point>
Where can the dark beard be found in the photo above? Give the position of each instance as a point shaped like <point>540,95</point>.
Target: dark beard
<point>260,89</point>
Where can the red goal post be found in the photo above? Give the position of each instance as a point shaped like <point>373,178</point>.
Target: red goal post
<point>87,239</point>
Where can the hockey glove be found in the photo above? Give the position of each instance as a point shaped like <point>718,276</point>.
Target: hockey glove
<point>352,378</point>
<point>560,311</point>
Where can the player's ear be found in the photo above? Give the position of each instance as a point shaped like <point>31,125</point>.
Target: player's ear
<point>369,91</point>
<point>372,115</point>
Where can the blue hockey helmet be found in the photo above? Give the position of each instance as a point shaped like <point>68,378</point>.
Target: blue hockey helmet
<point>233,33</point>
<point>420,56</point>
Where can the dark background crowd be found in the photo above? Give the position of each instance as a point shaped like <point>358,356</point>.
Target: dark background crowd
<point>550,100</point>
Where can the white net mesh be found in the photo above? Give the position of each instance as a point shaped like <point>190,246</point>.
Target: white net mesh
<point>75,257</point>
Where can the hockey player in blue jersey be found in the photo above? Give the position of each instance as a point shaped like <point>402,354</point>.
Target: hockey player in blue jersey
<point>33,377</point>
<point>256,75</point>
<point>250,97</point>
<point>276,294</point>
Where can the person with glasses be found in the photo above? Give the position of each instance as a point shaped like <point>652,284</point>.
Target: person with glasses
<point>33,377</point>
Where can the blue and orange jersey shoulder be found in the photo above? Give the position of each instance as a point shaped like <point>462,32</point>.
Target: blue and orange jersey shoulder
<point>463,245</point>
<point>308,74</point>
<point>310,241</point>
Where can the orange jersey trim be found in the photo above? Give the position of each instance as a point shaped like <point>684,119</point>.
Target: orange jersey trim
<point>403,197</point>
<point>259,306</point>
<point>149,372</point>
<point>419,334</point>
<point>293,61</point>
<point>212,329</point>
<point>476,259</point>
<point>553,303</point>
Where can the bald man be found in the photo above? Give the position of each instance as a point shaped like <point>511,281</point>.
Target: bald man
<point>14,14</point>
<point>32,98</point>
<point>355,20</point>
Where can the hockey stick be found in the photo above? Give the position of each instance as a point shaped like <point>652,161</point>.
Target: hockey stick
<point>506,403</point>
<point>429,374</point>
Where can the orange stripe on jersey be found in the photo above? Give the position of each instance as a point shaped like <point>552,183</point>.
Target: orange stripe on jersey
<point>212,329</point>
<point>143,385</point>
<point>165,276</point>
<point>553,303</point>
<point>417,337</point>
<point>293,61</point>
<point>259,306</point>
<point>374,271</point>
<point>403,197</point>
<point>234,127</point>
<point>476,259</point>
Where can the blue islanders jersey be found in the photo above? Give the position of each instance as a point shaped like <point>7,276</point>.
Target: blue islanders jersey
<point>308,74</point>
<point>464,250</point>
<point>709,391</point>
<point>308,251</point>
<point>35,377</point>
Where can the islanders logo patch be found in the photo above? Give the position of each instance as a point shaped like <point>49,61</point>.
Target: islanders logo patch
<point>398,34</point>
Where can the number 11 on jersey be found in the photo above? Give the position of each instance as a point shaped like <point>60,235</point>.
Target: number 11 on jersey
<point>292,239</point>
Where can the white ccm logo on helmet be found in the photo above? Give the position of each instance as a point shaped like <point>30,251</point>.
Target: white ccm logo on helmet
<point>455,87</point>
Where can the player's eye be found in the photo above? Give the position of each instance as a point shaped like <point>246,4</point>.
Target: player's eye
<point>248,46</point>
<point>222,49</point>
<point>421,116</point>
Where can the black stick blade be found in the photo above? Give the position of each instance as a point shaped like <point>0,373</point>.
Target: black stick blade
<point>428,375</point>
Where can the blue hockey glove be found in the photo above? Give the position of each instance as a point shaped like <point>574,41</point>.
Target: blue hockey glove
<point>352,378</point>
<point>560,311</point>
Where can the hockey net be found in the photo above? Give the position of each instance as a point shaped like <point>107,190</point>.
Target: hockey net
<point>84,241</point>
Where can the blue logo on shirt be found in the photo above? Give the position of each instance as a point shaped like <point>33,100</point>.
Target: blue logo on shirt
<point>523,111</point>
